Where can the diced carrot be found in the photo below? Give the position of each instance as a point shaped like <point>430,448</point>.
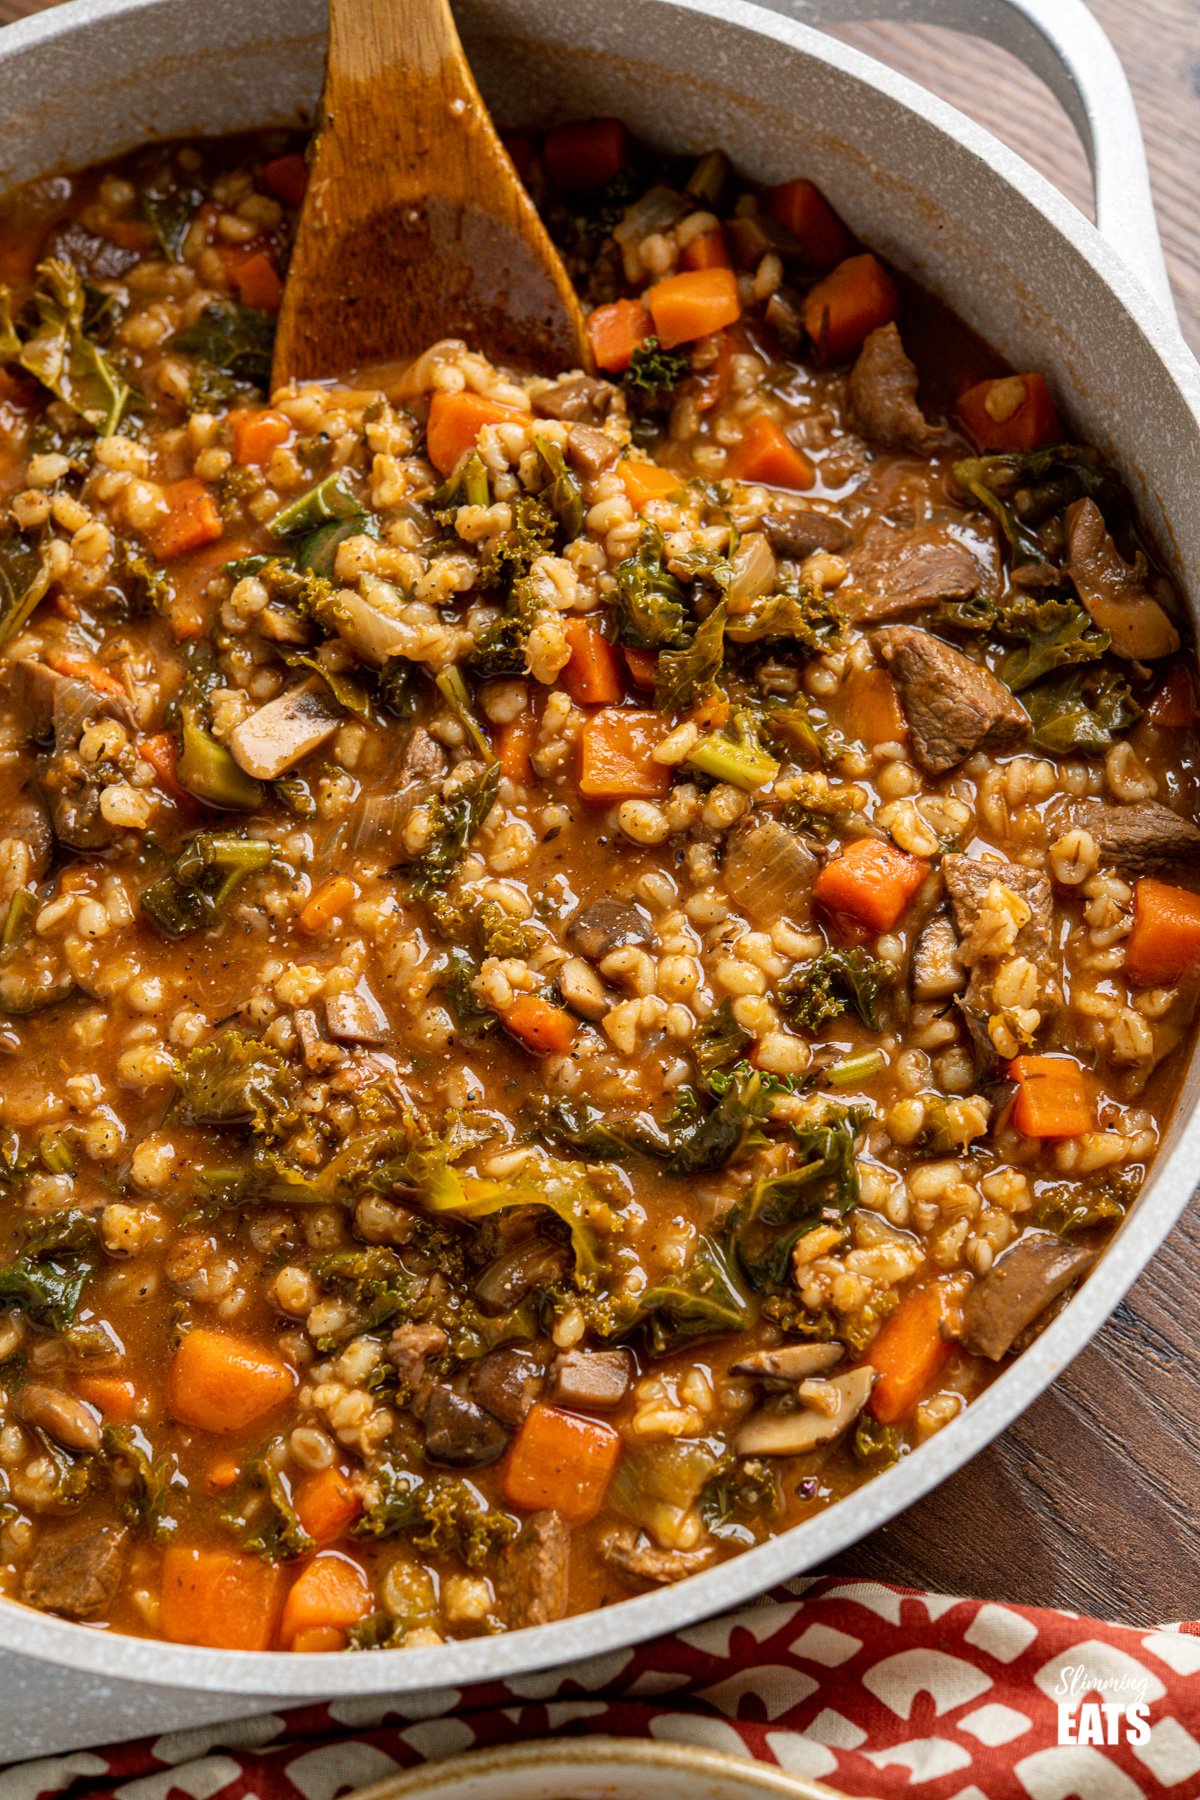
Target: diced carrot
<point>908,1353</point>
<point>222,1474</point>
<point>326,1504</point>
<point>615,331</point>
<point>766,454</point>
<point>1011,412</point>
<point>643,668</point>
<point>328,903</point>
<point>851,302</point>
<point>221,1598</point>
<point>1053,1097</point>
<point>218,1382</point>
<point>1173,707</point>
<point>311,1640</point>
<point>870,882</point>
<point>287,178</point>
<point>256,435</point>
<point>710,250</point>
<point>584,154</point>
<point>616,759</point>
<point>86,668</point>
<point>455,422</point>
<point>593,675</point>
<point>542,1027</point>
<point>520,147</point>
<point>514,746</point>
<point>692,305</point>
<point>1165,941</point>
<point>161,751</point>
<point>254,276</point>
<point>714,383</point>
<point>646,481</point>
<point>807,214</point>
<point>712,713</point>
<point>190,522</point>
<point>113,1398</point>
<point>561,1461</point>
<point>330,1594</point>
<point>873,709</point>
<point>130,234</point>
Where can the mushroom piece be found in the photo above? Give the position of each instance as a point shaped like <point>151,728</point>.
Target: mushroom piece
<point>800,531</point>
<point>67,1420</point>
<point>356,1017</point>
<point>781,1428</point>
<point>507,1382</point>
<point>1018,1288</point>
<point>601,927</point>
<point>790,1362</point>
<point>1112,591</point>
<point>625,1551</point>
<point>459,1433</point>
<point>284,731</point>
<point>767,870</point>
<point>596,1379</point>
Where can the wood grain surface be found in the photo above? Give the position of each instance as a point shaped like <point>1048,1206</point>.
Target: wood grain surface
<point>1090,1501</point>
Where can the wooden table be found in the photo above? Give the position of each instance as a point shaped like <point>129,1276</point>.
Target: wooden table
<point>1089,1501</point>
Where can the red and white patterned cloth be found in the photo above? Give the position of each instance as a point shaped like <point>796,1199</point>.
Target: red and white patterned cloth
<point>875,1690</point>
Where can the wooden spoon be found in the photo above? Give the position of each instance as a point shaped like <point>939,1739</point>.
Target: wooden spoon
<point>415,226</point>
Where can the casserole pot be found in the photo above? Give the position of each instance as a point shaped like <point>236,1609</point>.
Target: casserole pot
<point>934,193</point>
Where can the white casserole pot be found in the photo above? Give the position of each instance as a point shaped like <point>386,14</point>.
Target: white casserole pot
<point>937,195</point>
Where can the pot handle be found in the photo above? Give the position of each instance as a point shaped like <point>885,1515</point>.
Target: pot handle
<point>1064,44</point>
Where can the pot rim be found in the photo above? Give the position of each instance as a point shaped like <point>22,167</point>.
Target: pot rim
<point>273,1676</point>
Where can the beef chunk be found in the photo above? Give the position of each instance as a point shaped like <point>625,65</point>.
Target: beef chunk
<point>507,1382</point>
<point>580,400</point>
<point>1112,591</point>
<point>590,450</point>
<point>953,706</point>
<point>798,532</point>
<point>1142,836</point>
<point>883,396</point>
<point>96,258</point>
<point>625,1551</point>
<point>459,1433</point>
<point>934,971</point>
<point>532,1577</point>
<point>424,759</point>
<point>1018,1288</point>
<point>603,926</point>
<point>59,709</point>
<point>967,883</point>
<point>597,1379</point>
<point>75,1568</point>
<point>901,571</point>
<point>410,1348</point>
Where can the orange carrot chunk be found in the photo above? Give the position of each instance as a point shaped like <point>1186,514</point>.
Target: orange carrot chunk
<point>766,454</point>
<point>616,331</point>
<point>218,1382</point>
<point>254,276</point>
<point>807,214</point>
<point>709,250</point>
<point>593,675</point>
<point>853,300</point>
<point>643,668</point>
<point>1012,412</point>
<point>326,1504</point>
<point>1173,707</point>
<point>190,522</point>
<point>113,1398</point>
<point>514,746</point>
<point>689,306</point>
<point>330,1594</point>
<point>616,751</point>
<point>562,1461</point>
<point>1165,941</point>
<point>542,1027</point>
<point>287,178</point>
<point>870,882</point>
<point>455,422</point>
<point>328,903</point>
<point>584,154</point>
<point>1053,1097</point>
<point>908,1353</point>
<point>646,481</point>
<point>220,1598</point>
<point>256,435</point>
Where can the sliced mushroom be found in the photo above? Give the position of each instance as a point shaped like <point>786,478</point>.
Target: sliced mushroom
<point>507,1382</point>
<point>800,531</point>
<point>627,1551</point>
<point>504,1283</point>
<point>356,1017</point>
<point>286,730</point>
<point>67,1420</point>
<point>1018,1288</point>
<point>596,1379</point>
<point>781,1428</point>
<point>790,1362</point>
<point>603,926</point>
<point>459,1433</point>
<point>591,450</point>
<point>582,989</point>
<point>935,972</point>
<point>1112,591</point>
<point>767,870</point>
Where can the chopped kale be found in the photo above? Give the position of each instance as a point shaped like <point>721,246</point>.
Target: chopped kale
<point>877,1446</point>
<point>445,1515</point>
<point>59,353</point>
<point>454,821</point>
<point>24,579</point>
<point>1081,709</point>
<point>46,1282</point>
<point>231,347</point>
<point>264,1514</point>
<point>373,1279</point>
<point>835,982</point>
<point>562,494</point>
<point>733,1128</point>
<point>1054,633</point>
<point>143,1485</point>
<point>330,502</point>
<point>806,616</point>
<point>507,559</point>
<point>719,1042</point>
<point>650,604</point>
<point>203,879</point>
<point>688,674</point>
<point>701,1302</point>
<point>169,216</point>
<point>740,1499</point>
<point>654,372</point>
<point>236,1080</point>
<point>820,1187</point>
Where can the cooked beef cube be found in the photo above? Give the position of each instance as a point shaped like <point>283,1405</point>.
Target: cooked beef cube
<point>507,1382</point>
<point>424,759</point>
<point>799,531</point>
<point>901,571</point>
<point>1112,591</point>
<point>356,1017</point>
<point>1143,835</point>
<point>60,708</point>
<point>287,729</point>
<point>603,926</point>
<point>532,1578</point>
<point>580,400</point>
<point>1018,1288</point>
<point>967,883</point>
<point>75,1568</point>
<point>625,1551</point>
<point>590,450</point>
<point>459,1433</point>
<point>767,870</point>
<point>409,1350</point>
<point>953,705</point>
<point>96,258</point>
<point>883,394</point>
<point>594,1379</point>
<point>934,970</point>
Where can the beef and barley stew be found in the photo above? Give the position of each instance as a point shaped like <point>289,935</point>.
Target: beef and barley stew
<point>583,957</point>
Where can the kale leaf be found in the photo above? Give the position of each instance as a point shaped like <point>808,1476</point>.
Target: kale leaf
<point>688,673</point>
<point>58,352</point>
<point>442,1516</point>
<point>650,604</point>
<point>47,1281</point>
<point>835,982</point>
<point>701,1302</point>
<point>231,347</point>
<point>654,372</point>
<point>1081,710</point>
<point>236,1080</point>
<point>821,1186</point>
<point>740,1498</point>
<point>719,1042</point>
<point>203,879</point>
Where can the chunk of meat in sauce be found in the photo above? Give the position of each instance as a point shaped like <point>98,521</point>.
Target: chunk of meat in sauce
<point>532,1578</point>
<point>628,1553</point>
<point>1142,835</point>
<point>60,708</point>
<point>96,258</point>
<point>579,399</point>
<point>1018,1288</point>
<point>800,531</point>
<point>935,972</point>
<point>1112,591</point>
<point>75,1568</point>
<point>590,450</point>
<point>883,396</point>
<point>953,705</point>
<point>410,1349</point>
<point>968,883</point>
<point>902,571</point>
